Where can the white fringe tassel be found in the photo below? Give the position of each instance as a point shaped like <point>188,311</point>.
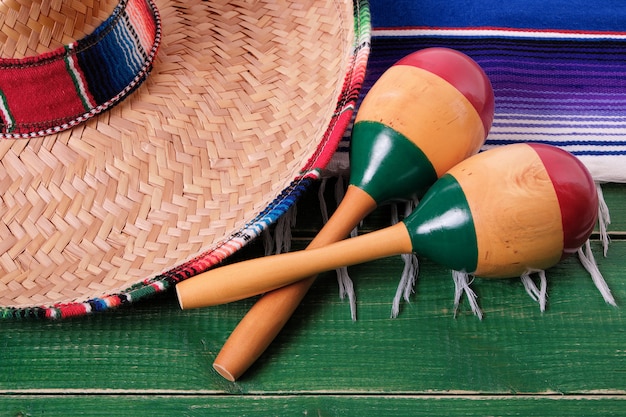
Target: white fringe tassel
<point>540,294</point>
<point>604,219</point>
<point>586,255</point>
<point>346,286</point>
<point>462,286</point>
<point>280,240</point>
<point>589,262</point>
<point>411,265</point>
<point>322,200</point>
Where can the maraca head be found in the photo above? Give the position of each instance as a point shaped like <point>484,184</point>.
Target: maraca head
<point>429,111</point>
<point>506,211</point>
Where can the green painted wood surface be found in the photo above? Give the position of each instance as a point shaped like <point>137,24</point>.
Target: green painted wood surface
<point>311,405</point>
<point>569,360</point>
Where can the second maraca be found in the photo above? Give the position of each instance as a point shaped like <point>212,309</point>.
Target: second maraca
<point>498,214</point>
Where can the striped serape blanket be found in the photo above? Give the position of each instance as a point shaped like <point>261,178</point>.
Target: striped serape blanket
<point>566,89</point>
<point>558,70</point>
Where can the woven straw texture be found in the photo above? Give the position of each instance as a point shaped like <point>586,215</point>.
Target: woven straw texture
<point>245,103</point>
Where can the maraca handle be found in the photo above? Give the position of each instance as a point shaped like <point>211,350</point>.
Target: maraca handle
<point>246,279</point>
<point>260,326</point>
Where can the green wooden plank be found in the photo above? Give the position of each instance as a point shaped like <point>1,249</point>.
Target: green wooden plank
<point>306,405</point>
<point>577,346</point>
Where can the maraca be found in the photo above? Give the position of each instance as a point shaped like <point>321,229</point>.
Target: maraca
<point>429,111</point>
<point>498,214</point>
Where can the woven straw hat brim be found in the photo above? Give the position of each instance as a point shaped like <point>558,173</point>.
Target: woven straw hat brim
<point>245,103</point>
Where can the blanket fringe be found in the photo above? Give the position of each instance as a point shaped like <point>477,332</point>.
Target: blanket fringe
<point>585,254</point>
<point>540,294</point>
<point>462,284</point>
<point>406,286</point>
<point>346,289</point>
<point>588,261</point>
<point>279,240</point>
<point>604,219</point>
<point>346,286</point>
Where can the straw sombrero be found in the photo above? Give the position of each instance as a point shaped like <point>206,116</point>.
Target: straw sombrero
<point>144,142</point>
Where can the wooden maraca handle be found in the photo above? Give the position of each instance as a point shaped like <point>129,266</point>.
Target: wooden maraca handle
<point>260,326</point>
<point>246,279</point>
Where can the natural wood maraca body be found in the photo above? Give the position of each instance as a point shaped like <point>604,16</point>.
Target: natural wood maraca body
<point>427,112</point>
<point>507,211</point>
<point>469,220</point>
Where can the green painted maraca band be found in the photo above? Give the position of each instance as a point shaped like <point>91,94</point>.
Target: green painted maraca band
<point>386,164</point>
<point>442,227</point>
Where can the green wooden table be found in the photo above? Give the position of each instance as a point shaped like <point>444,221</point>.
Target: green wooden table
<point>154,359</point>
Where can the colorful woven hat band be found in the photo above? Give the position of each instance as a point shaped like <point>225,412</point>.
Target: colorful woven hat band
<point>51,92</point>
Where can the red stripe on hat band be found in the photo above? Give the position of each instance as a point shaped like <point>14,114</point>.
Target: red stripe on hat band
<point>24,85</point>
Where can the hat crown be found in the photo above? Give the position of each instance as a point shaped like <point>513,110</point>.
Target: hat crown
<point>34,27</point>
